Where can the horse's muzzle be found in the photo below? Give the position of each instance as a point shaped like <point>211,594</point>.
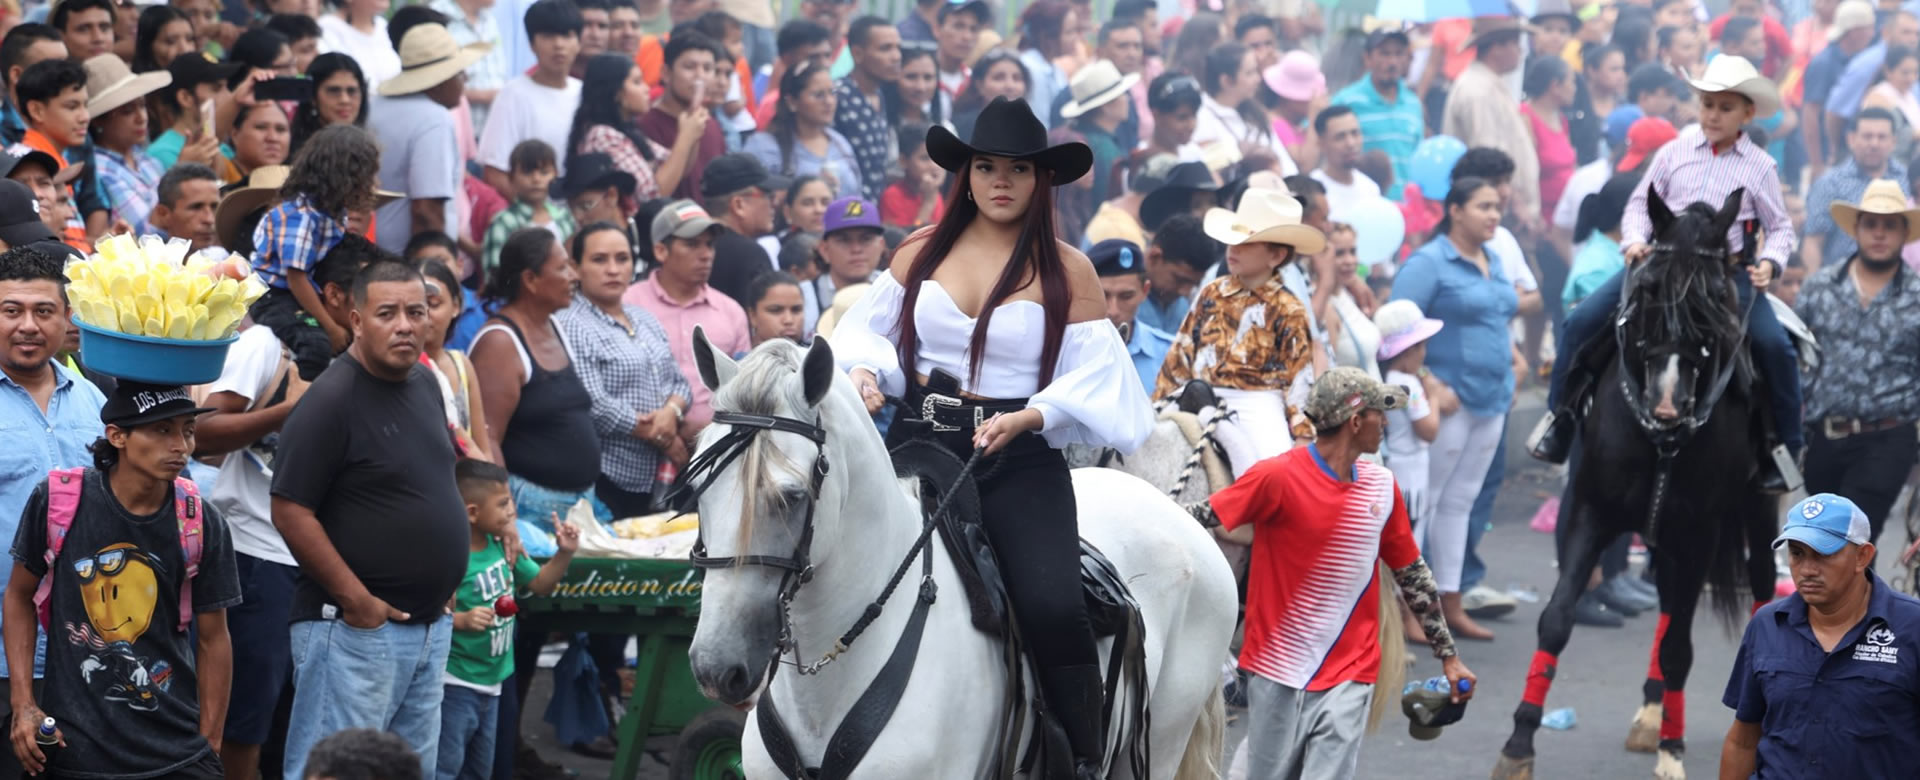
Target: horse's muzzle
<point>732,684</point>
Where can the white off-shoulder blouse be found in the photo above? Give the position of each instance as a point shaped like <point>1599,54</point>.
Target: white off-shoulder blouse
<point>1095,396</point>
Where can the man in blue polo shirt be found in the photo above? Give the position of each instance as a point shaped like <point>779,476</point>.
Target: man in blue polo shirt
<point>1391,118</point>
<point>1826,683</point>
<point>1123,276</point>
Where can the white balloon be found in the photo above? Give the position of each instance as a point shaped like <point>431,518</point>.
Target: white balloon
<point>1378,227</point>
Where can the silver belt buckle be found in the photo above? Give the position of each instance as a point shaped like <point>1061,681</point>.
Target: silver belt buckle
<point>1840,427</point>
<point>931,403</point>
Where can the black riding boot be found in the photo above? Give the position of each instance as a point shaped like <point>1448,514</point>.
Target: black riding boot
<point>1076,694</point>
<point>1552,438</point>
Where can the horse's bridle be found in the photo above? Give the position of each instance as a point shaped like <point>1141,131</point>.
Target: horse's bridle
<point>708,465</point>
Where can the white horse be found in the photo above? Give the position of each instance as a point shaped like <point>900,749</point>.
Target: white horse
<point>949,721</point>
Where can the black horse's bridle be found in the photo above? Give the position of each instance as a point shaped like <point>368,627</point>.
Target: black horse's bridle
<point>712,461</point>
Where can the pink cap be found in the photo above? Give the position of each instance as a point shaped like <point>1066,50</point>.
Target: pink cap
<point>1296,76</point>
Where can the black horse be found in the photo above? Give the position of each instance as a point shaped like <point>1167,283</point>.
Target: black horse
<point>1669,451</point>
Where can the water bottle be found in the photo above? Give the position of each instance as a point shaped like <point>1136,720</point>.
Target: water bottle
<point>47,736</point>
<point>1429,706</point>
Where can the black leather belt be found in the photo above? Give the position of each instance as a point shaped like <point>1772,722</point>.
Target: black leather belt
<point>1842,427</point>
<point>950,411</point>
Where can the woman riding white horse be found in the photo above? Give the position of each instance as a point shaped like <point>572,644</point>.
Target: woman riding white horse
<point>997,336</point>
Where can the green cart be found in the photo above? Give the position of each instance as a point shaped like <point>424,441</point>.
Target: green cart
<point>659,602</point>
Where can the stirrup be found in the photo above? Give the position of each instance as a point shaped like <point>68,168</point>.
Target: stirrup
<point>1782,475</point>
<point>1552,438</point>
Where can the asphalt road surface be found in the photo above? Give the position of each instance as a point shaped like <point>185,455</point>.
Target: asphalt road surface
<point>1600,672</point>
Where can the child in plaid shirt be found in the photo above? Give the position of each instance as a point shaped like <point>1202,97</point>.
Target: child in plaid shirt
<point>334,174</point>
<point>534,168</point>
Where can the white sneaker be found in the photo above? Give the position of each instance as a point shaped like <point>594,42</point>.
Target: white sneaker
<point>1484,602</point>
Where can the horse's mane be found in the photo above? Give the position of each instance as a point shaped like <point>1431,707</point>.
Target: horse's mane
<point>765,385</point>
<point>1682,295</point>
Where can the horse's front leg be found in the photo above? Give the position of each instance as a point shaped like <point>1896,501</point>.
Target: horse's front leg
<point>1680,588</point>
<point>1586,540</point>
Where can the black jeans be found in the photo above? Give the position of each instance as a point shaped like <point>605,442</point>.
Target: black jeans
<point>1027,506</point>
<point>621,502</point>
<point>1867,469</point>
<point>280,312</point>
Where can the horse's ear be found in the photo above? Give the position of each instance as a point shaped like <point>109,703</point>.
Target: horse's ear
<point>816,374</point>
<point>1729,211</point>
<point>1657,211</point>
<point>716,368</point>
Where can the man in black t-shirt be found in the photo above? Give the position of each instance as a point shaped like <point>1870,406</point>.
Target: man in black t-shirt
<point>133,693</point>
<point>738,192</point>
<point>363,493</point>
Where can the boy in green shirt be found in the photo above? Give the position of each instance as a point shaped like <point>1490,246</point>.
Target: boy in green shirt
<point>481,656</point>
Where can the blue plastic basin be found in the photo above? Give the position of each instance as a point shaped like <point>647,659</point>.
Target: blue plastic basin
<point>151,360</point>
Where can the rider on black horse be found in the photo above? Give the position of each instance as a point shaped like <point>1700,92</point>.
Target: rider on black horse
<point>1705,163</point>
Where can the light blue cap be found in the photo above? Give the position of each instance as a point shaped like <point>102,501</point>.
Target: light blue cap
<point>1826,523</point>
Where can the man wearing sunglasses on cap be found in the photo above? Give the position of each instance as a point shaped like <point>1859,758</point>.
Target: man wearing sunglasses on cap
<point>117,562</point>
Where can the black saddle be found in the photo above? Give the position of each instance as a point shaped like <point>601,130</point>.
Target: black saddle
<point>1110,604</point>
<point>1110,608</point>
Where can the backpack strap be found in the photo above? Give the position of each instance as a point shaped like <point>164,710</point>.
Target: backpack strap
<point>63,503</point>
<point>188,511</point>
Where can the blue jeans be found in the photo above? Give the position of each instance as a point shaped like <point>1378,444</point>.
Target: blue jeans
<point>467,721</point>
<point>258,628</point>
<point>1773,352</point>
<point>1472,569</point>
<point>387,678</point>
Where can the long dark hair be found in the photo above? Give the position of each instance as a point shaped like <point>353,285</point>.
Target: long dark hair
<point>970,98</point>
<point>785,126</point>
<point>336,171</point>
<point>1223,61</point>
<point>105,455</point>
<point>1036,255</point>
<point>152,20</point>
<point>604,80</point>
<point>1462,191</point>
<point>306,117</point>
<point>911,53</point>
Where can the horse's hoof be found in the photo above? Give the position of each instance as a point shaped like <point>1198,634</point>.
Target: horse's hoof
<point>1510,768</point>
<point>1643,736</point>
<point>1668,767</point>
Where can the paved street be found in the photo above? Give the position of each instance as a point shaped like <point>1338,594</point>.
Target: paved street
<point>1599,676</point>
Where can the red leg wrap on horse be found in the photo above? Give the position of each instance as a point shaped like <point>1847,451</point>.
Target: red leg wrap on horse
<point>1540,677</point>
<point>1673,715</point>
<point>1653,657</point>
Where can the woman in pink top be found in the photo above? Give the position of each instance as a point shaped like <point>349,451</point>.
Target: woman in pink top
<point>1549,87</point>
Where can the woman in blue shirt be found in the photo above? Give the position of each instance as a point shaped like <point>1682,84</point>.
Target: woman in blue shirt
<point>801,141</point>
<point>1456,279</point>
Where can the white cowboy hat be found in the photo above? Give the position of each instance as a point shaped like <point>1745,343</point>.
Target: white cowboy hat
<point>428,57</point>
<point>1883,196</point>
<point>1097,85</point>
<point>1265,217</point>
<point>1735,74</point>
<point>111,84</point>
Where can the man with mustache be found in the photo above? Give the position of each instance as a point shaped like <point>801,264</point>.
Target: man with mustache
<point>1824,684</point>
<point>1863,399</point>
<point>51,415</point>
<point>362,496</point>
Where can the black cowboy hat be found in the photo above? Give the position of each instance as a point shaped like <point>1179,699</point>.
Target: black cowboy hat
<point>1008,128</point>
<point>1175,195</point>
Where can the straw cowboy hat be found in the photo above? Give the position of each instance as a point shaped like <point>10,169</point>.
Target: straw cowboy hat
<point>1489,26</point>
<point>1008,128</point>
<point>428,57</point>
<point>259,190</point>
<point>1265,217</point>
<point>1735,74</point>
<point>1097,85</point>
<point>1883,196</point>
<point>111,84</point>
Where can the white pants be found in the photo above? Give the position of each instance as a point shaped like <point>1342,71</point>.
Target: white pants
<point>1457,466</point>
<point>1262,416</point>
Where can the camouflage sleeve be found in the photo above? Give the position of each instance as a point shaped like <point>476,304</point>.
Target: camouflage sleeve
<point>1423,597</point>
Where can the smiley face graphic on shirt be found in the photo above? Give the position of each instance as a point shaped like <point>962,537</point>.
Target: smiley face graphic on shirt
<point>119,588</point>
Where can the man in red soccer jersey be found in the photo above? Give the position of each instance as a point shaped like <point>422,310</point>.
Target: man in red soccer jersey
<point>1318,518</point>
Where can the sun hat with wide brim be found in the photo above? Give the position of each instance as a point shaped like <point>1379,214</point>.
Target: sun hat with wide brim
<point>258,190</point>
<point>1097,85</point>
<point>1727,73</point>
<point>1008,128</point>
<point>1265,217</point>
<point>111,84</point>
<point>1402,325</point>
<point>428,57</point>
<point>1489,26</point>
<point>1297,76</point>
<point>1883,196</point>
